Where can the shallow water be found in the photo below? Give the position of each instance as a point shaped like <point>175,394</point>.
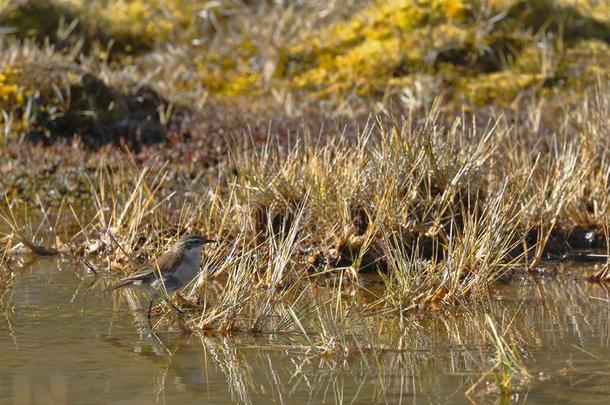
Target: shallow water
<point>61,342</point>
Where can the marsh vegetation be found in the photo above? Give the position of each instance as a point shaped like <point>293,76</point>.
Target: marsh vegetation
<point>383,179</point>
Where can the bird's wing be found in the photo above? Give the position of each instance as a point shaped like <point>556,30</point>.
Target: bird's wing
<point>151,268</point>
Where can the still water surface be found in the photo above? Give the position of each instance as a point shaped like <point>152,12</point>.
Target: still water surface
<point>61,342</point>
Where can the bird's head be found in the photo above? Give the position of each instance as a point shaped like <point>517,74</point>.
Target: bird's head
<point>194,241</point>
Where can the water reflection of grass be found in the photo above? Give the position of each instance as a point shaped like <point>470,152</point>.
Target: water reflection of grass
<point>556,327</point>
<point>482,351</point>
<point>454,343</point>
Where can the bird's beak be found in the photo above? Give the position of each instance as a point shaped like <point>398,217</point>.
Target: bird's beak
<point>206,241</point>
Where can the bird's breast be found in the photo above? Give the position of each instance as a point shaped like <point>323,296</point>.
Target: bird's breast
<point>188,267</point>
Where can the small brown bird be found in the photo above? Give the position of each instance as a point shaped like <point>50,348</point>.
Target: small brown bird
<point>177,268</point>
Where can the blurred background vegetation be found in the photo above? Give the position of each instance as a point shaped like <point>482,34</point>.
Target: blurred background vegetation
<point>99,66</point>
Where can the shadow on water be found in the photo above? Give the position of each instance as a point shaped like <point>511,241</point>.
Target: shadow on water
<point>63,343</point>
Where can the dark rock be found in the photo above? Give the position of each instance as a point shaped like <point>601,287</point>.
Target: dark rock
<point>100,114</point>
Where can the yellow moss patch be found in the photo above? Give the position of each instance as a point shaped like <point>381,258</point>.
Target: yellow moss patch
<point>364,53</point>
<point>501,87</point>
<point>586,63</point>
<point>153,22</point>
<point>9,90</point>
<point>231,74</point>
<point>598,9</point>
<point>377,50</point>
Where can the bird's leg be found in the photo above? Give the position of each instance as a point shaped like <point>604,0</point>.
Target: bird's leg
<point>150,305</point>
<point>185,330</point>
